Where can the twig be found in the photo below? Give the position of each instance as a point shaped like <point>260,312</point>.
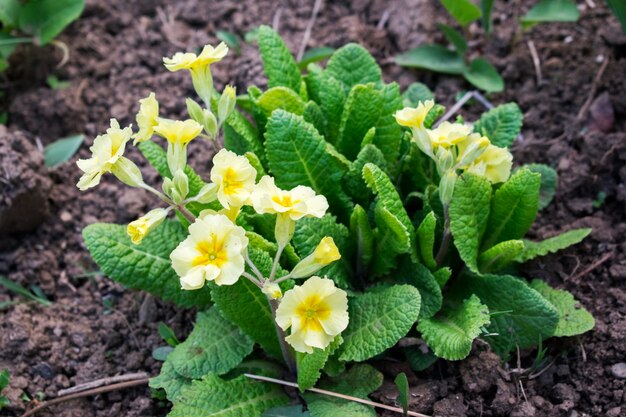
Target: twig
<point>594,86</point>
<point>383,19</point>
<point>482,100</point>
<point>64,49</point>
<point>457,106</point>
<point>308,29</point>
<point>336,394</point>
<point>101,382</point>
<point>591,267</point>
<point>95,391</point>
<point>276,19</point>
<point>536,61</point>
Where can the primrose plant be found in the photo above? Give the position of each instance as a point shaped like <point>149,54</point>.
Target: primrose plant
<point>341,217</point>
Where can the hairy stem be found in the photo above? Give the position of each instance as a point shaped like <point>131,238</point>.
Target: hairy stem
<point>288,356</point>
<point>279,251</point>
<point>445,241</point>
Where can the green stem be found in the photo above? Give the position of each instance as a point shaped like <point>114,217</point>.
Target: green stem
<point>445,241</point>
<point>288,356</point>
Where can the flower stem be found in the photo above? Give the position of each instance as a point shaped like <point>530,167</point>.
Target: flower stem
<point>447,237</point>
<point>253,267</point>
<point>252,279</point>
<point>288,356</point>
<point>279,251</point>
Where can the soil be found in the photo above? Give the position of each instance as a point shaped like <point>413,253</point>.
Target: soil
<point>95,328</point>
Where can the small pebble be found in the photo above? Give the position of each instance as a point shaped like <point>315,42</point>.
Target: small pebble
<point>619,370</point>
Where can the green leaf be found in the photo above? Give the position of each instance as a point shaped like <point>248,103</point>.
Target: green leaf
<point>415,93</point>
<point>454,37</point>
<point>450,334</point>
<point>402,383</point>
<point>256,164</point>
<point>9,12</point>
<point>551,245</point>
<point>433,58</point>
<point>145,266</point>
<point>278,63</point>
<point>551,11</point>
<point>298,155</point>
<point>313,114</point>
<point>169,380</point>
<point>308,234</point>
<point>62,150</point>
<point>369,380</point>
<point>419,360</point>
<point>328,93</point>
<point>395,231</point>
<point>573,318</point>
<point>45,19</point>
<point>239,397</point>
<point>469,211</point>
<point>353,181</point>
<point>167,334</point>
<point>523,316</point>
<point>442,276</point>
<point>230,39</point>
<point>245,305</point>
<point>513,208</point>
<point>351,65</point>
<point>388,135</point>
<point>378,319</point>
<point>501,124</point>
<point>315,55</point>
<point>310,364</point>
<point>361,233</point>
<point>619,10</point>
<point>421,278</point>
<point>289,411</point>
<point>549,183</point>
<point>161,353</point>
<point>241,137</point>
<point>360,113</point>
<point>426,239</point>
<point>485,7</point>
<point>4,379</point>
<point>23,292</point>
<point>214,346</point>
<point>499,256</point>
<point>463,11</point>
<point>280,98</point>
<point>482,74</point>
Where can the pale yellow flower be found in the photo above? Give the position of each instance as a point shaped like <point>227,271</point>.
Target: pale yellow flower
<point>213,251</point>
<point>414,117</point>
<point>234,177</point>
<point>146,118</point>
<point>494,164</point>
<point>448,134</point>
<point>177,132</point>
<point>316,312</point>
<point>288,205</point>
<point>106,151</point>
<point>272,290</point>
<point>137,230</point>
<point>191,61</point>
<point>325,253</point>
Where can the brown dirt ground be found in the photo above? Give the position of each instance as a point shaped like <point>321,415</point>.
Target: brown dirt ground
<point>96,328</point>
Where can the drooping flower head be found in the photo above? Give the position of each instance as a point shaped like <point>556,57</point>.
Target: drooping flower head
<point>147,118</point>
<point>324,254</point>
<point>107,150</point>
<point>137,230</point>
<point>494,163</point>
<point>191,61</point>
<point>213,251</point>
<point>234,177</point>
<point>414,117</point>
<point>316,312</point>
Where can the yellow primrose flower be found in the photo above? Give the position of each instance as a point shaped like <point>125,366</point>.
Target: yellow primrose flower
<point>471,148</point>
<point>325,253</point>
<point>414,117</point>
<point>316,312</point>
<point>191,61</point>
<point>140,228</point>
<point>288,205</point>
<point>106,151</point>
<point>234,177</point>
<point>178,132</point>
<point>272,290</point>
<point>448,134</point>
<point>494,164</point>
<point>146,118</point>
<point>213,251</point>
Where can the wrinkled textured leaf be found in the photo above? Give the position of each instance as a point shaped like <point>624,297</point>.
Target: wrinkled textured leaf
<point>145,266</point>
<point>353,181</point>
<point>278,63</point>
<point>45,19</point>
<point>361,233</point>
<point>388,135</point>
<point>549,183</point>
<point>310,364</point>
<point>351,65</point>
<point>314,55</point>
<point>551,245</point>
<point>421,278</point>
<point>360,113</point>
<point>450,334</point>
<point>499,256</point>
<point>328,93</point>
<point>426,239</point>
<point>280,98</point>
<point>378,319</point>
<point>169,380</point>
<point>415,93</point>
<point>501,124</point>
<point>241,137</point>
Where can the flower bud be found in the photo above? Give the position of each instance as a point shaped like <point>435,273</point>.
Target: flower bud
<point>207,194</point>
<point>477,145</point>
<point>181,183</point>
<point>140,228</point>
<point>325,253</point>
<point>446,187</point>
<point>126,171</point>
<point>194,110</point>
<point>209,122</point>
<point>444,159</point>
<point>285,227</point>
<point>272,290</point>
<point>226,105</point>
<point>176,156</point>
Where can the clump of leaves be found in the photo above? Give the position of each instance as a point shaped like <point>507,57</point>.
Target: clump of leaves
<point>479,71</point>
<point>34,21</point>
<point>428,220</point>
<point>4,382</point>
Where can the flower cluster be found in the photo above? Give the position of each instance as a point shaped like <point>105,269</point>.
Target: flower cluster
<point>455,147</point>
<point>216,248</point>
